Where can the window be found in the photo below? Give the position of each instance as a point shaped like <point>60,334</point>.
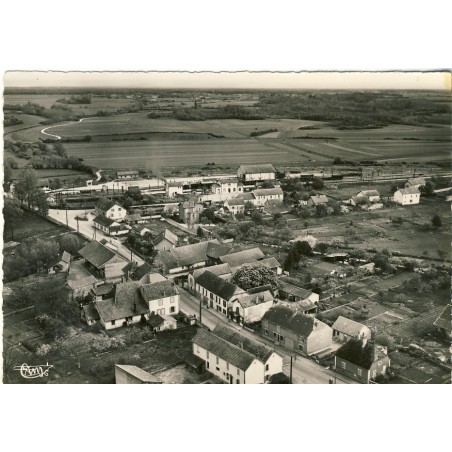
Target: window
<point>227,366</point>
<point>266,331</point>
<point>237,381</point>
<point>119,209</point>
<point>360,372</point>
<point>172,309</point>
<point>207,364</point>
<point>224,303</point>
<point>172,300</point>
<point>274,335</point>
<point>113,322</point>
<point>343,364</point>
<point>301,347</point>
<point>161,311</point>
<point>208,355</point>
<point>160,302</point>
<point>218,360</point>
<point>238,371</point>
<point>266,367</point>
<point>281,338</point>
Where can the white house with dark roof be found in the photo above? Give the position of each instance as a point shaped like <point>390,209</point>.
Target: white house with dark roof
<point>221,270</point>
<point>259,172</point>
<point>174,188</point>
<point>317,200</point>
<point>109,226</point>
<point>165,240</point>
<point>235,205</point>
<point>345,329</point>
<point>127,175</point>
<point>371,195</point>
<point>161,297</point>
<point>234,357</point>
<point>262,195</point>
<point>249,308</point>
<point>407,196</point>
<point>112,210</point>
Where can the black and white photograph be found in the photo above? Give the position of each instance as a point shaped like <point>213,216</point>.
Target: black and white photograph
<point>229,228</point>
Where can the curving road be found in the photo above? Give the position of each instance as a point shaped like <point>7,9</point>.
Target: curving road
<point>43,131</point>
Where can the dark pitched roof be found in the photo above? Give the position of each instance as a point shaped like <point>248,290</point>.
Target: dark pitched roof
<point>297,322</point>
<point>409,191</point>
<point>354,351</point>
<point>104,221</point>
<point>243,257</point>
<point>257,349</point>
<point>97,254</point>
<point>217,285</point>
<point>263,168</point>
<point>158,290</point>
<point>235,202</point>
<point>140,271</point>
<point>417,181</point>
<point>219,270</point>
<point>107,204</point>
<point>444,320</point>
<point>105,289</point>
<point>127,303</point>
<point>369,193</point>
<point>191,254</point>
<point>247,300</point>
<point>155,320</point>
<point>249,196</point>
<point>294,290</point>
<point>226,351</point>
<point>216,250</point>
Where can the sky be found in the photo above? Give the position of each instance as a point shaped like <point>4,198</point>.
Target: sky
<point>232,80</point>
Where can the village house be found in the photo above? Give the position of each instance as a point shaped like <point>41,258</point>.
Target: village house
<point>362,360</point>
<point>248,197</point>
<point>215,292</point>
<point>189,257</point>
<point>304,300</point>
<point>301,333</point>
<point>165,240</point>
<point>190,211</point>
<point>250,173</point>
<point>142,230</point>
<point>109,226</point>
<point>112,210</point>
<point>127,175</point>
<point>145,274</point>
<point>443,322</point>
<point>125,374</point>
<point>407,196</point>
<point>103,292</point>
<point>59,264</point>
<point>173,189</point>
<point>97,256</point>
<point>250,307</point>
<point>161,297</point>
<point>235,260</point>
<point>415,182</point>
<point>317,200</point>
<point>235,358</point>
<point>236,205</point>
<point>371,195</point>
<point>263,195</point>
<point>221,270</point>
<point>345,329</point>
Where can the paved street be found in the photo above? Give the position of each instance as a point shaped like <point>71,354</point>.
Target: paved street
<point>304,370</point>
<point>87,230</point>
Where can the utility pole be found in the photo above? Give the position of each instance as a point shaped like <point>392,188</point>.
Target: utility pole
<point>77,225</point>
<point>290,378</point>
<point>200,311</point>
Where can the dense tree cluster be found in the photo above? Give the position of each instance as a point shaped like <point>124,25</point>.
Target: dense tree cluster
<point>254,275</point>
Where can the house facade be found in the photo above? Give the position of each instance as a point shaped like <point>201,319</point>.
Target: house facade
<point>250,308</point>
<point>236,205</point>
<point>190,211</point>
<point>345,329</point>
<point>407,196</point>
<point>173,189</point>
<point>127,175</point>
<point>262,195</point>
<point>161,297</point>
<point>111,210</point>
<point>297,332</point>
<point>109,226</point>
<point>165,241</point>
<point>256,172</point>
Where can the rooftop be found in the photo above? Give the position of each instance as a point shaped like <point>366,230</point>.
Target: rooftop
<point>97,254</point>
<point>319,199</point>
<point>369,193</point>
<point>104,221</point>
<point>348,326</point>
<point>409,191</point>
<point>217,285</point>
<point>294,290</point>
<point>235,202</point>
<point>247,300</point>
<point>360,353</point>
<point>268,191</point>
<point>219,270</point>
<point>162,289</point>
<point>301,324</point>
<point>263,168</point>
<point>141,271</point>
<point>168,235</point>
<point>90,312</point>
<point>138,373</point>
<point>243,257</point>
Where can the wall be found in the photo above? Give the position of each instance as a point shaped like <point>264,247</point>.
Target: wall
<point>254,313</point>
<point>123,377</point>
<point>119,322</point>
<point>275,365</point>
<point>319,339</point>
<point>164,245</point>
<point>156,306</point>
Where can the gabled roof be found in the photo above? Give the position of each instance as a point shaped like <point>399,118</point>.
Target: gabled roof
<point>191,254</point>
<point>162,289</point>
<point>263,168</point>
<point>107,204</point>
<point>115,270</point>
<point>247,300</point>
<point>138,373</point>
<point>133,217</point>
<point>126,173</point>
<point>294,290</point>
<point>417,181</point>
<point>257,349</point>
<point>217,285</point>
<point>140,271</point>
<point>155,320</point>
<point>369,193</point>
<point>409,191</point>
<point>219,270</point>
<point>127,303</point>
<point>97,254</point>
<point>168,235</point>
<point>268,191</point>
<point>444,320</point>
<point>104,221</point>
<point>319,199</point>
<point>226,351</point>
<point>301,324</point>
<point>216,250</point>
<point>348,326</point>
<point>42,182</point>
<point>243,257</point>
<point>103,290</point>
<point>248,196</point>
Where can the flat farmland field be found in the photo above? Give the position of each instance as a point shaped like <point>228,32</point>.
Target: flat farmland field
<point>157,154</point>
<point>140,123</point>
<point>27,120</point>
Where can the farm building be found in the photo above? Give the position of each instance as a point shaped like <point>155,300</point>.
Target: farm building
<point>103,292</point>
<point>142,230</point>
<point>59,264</point>
<point>415,182</point>
<point>235,260</point>
<point>371,195</point>
<point>249,308</point>
<point>297,332</point>
<point>125,374</point>
<point>345,329</point>
<point>317,200</point>
<point>221,270</point>
<point>362,360</point>
<point>112,210</point>
<point>256,172</point>
<point>89,314</point>
<point>165,240</point>
<point>234,357</point>
<point>109,226</point>
<point>407,196</point>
